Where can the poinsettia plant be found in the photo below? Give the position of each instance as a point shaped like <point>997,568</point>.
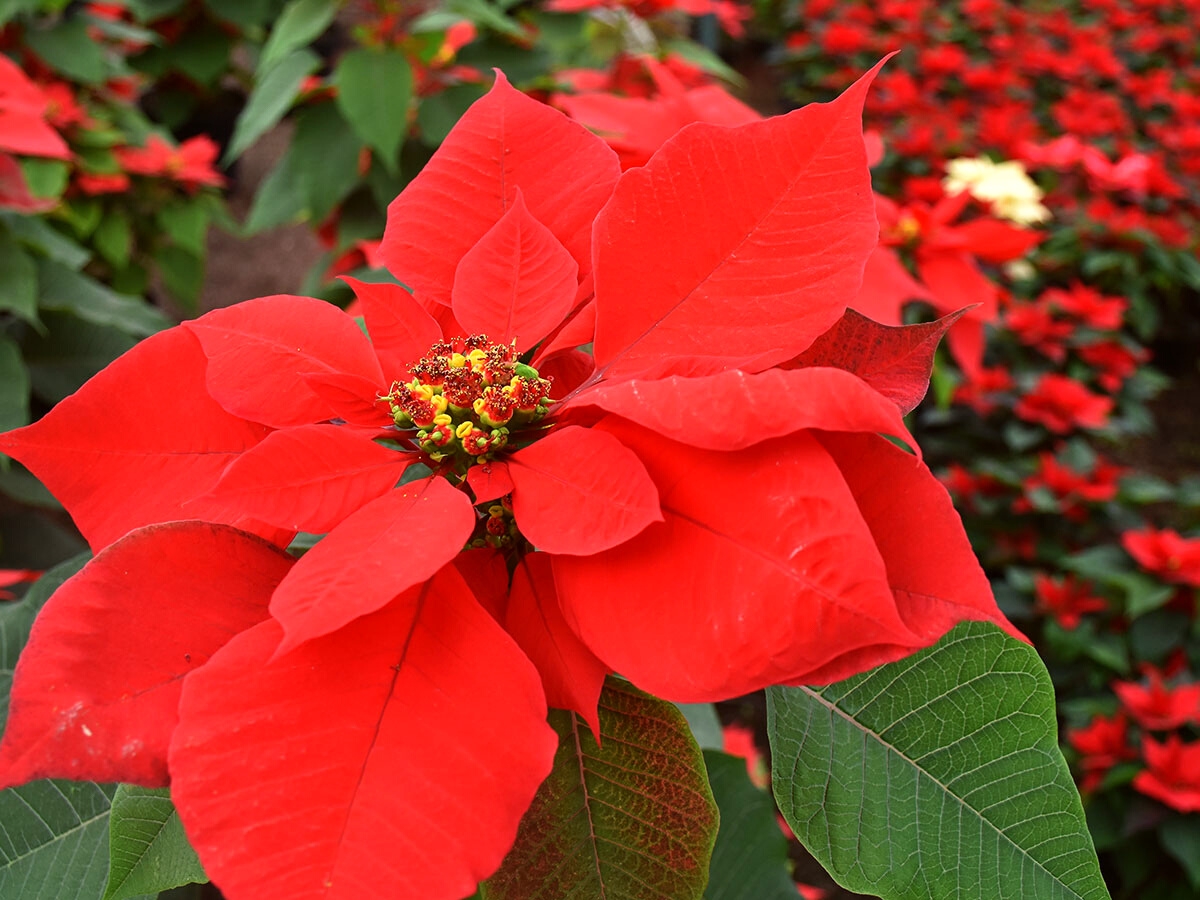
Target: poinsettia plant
<point>608,424</point>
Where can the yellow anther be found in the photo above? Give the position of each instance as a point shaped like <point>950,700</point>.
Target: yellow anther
<point>464,430</point>
<point>457,361</point>
<point>477,358</point>
<point>442,419</point>
<point>908,227</point>
<point>439,402</point>
<point>496,511</point>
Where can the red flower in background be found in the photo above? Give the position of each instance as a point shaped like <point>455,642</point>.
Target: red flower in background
<point>1070,488</point>
<point>1165,553</point>
<point>1066,599</point>
<point>1157,707</point>
<point>10,577</point>
<point>712,483</point>
<point>23,113</point>
<point>1101,745</point>
<point>1173,773</point>
<point>191,163</point>
<point>1062,404</point>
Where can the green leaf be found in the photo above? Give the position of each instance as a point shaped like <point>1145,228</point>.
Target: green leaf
<point>65,289</point>
<point>483,13</point>
<point>68,49</point>
<point>202,54</point>
<point>183,274</point>
<point>269,100</point>
<point>938,776</point>
<point>148,850</point>
<point>186,224</point>
<point>1181,836</point>
<point>706,727</point>
<point>373,91</point>
<point>324,159</point>
<point>54,840</point>
<point>18,281</point>
<point>34,233</point>
<point>243,13</point>
<point>630,819</point>
<point>750,860</point>
<point>14,386</point>
<point>47,178</point>
<point>70,353</point>
<point>300,23</point>
<point>438,113</point>
<point>279,200</point>
<point>114,238</point>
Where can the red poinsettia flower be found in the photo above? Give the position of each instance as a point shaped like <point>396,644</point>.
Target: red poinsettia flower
<point>23,113</point>
<point>1062,404</point>
<point>1157,707</point>
<point>1165,553</point>
<point>1102,744</point>
<point>1066,599</point>
<point>1173,773</point>
<point>709,508</point>
<point>946,256</point>
<point>191,163</point>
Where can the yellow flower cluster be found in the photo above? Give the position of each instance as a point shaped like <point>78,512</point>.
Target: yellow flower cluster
<point>1005,185</point>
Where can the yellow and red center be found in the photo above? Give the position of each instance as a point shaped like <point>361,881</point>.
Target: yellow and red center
<point>466,397</point>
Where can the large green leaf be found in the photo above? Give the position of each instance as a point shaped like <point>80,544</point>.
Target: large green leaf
<point>938,776</point>
<point>14,386</point>
<point>148,850</point>
<point>269,100</point>
<point>629,819</point>
<point>324,158</point>
<point>18,280</point>
<point>300,23</point>
<point>278,200</point>
<point>54,840</point>
<point>750,860</point>
<point>63,288</point>
<point>69,49</point>
<point>373,91</point>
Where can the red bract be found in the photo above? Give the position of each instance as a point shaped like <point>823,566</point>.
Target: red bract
<point>711,507</point>
<point>1165,553</point>
<point>191,163</point>
<point>1158,707</point>
<point>1062,404</point>
<point>1101,745</point>
<point>1065,599</point>
<point>1173,773</point>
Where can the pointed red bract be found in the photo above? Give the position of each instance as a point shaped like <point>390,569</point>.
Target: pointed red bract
<point>762,264</point>
<point>392,759</point>
<point>351,398</point>
<point>571,674</point>
<point>580,491</point>
<point>503,142</point>
<point>762,571</point>
<point>932,570</point>
<point>97,686</point>
<point>517,282</point>
<point>308,478</point>
<point>136,442</point>
<point>732,410</point>
<point>886,287</point>
<point>392,543</point>
<point>489,481</point>
<point>894,360</point>
<point>259,351</point>
<point>401,330</point>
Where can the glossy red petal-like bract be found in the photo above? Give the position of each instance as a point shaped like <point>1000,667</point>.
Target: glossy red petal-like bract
<point>931,567</point>
<point>258,352</point>
<point>503,142</point>
<point>136,441</point>
<point>571,674</point>
<point>489,481</point>
<point>308,478</point>
<point>580,491</point>
<point>350,398</point>
<point>733,409</point>
<point>894,360</point>
<point>389,761</point>
<point>517,282</point>
<point>760,261</point>
<point>97,686</point>
<point>401,330</point>
<point>387,546</point>
<point>764,570</point>
<point>886,288</point>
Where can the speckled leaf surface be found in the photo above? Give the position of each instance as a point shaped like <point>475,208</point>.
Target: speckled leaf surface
<point>629,819</point>
<point>937,777</point>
